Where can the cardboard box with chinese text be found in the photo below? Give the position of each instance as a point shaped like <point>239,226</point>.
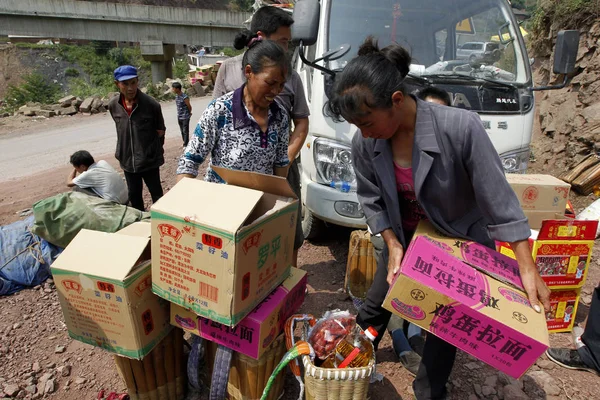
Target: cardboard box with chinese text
<point>563,308</point>
<point>562,251</point>
<point>540,192</point>
<point>104,285</point>
<point>254,334</point>
<point>498,266</point>
<point>483,316</point>
<point>219,249</point>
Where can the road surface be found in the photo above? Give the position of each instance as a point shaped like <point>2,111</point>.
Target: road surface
<point>49,145</point>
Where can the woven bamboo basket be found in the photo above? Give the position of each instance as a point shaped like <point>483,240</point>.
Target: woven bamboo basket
<point>327,383</point>
<point>361,266</point>
<point>247,376</point>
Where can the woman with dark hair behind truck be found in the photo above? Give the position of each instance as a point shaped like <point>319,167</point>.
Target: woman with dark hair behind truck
<point>245,129</point>
<point>417,160</point>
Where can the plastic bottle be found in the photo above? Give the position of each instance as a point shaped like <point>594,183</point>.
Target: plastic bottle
<point>340,185</point>
<point>354,351</point>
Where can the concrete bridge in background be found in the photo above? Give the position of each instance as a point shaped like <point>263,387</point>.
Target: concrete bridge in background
<point>157,29</point>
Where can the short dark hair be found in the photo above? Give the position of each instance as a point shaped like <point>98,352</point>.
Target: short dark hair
<point>82,157</point>
<point>268,19</point>
<point>368,80</point>
<point>262,53</point>
<point>176,85</point>
<point>436,93</point>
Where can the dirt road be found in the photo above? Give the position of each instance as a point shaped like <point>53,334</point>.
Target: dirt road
<point>32,332</point>
<point>49,143</point>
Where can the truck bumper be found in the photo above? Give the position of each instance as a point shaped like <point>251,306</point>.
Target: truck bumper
<point>321,201</point>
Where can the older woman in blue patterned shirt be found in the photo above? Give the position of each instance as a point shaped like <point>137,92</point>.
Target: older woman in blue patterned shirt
<point>246,129</point>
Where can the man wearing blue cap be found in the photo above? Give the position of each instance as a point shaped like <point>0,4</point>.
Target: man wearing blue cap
<point>140,136</point>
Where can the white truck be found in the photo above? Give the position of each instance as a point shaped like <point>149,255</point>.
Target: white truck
<point>498,86</point>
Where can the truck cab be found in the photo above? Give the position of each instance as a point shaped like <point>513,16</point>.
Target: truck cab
<point>497,84</point>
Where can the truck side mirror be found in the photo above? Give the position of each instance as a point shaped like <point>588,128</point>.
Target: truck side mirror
<point>565,57</point>
<point>306,22</point>
<point>565,54</point>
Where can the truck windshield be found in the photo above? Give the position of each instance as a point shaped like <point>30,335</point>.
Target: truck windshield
<point>446,38</point>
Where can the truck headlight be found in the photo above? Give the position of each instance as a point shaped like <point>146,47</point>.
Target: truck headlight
<point>334,164</point>
<point>515,162</point>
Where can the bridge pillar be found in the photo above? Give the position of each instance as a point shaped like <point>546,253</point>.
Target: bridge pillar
<point>160,56</point>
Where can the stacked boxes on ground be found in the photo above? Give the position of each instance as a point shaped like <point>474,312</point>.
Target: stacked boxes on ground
<point>222,255</point>
<point>562,251</point>
<point>542,197</point>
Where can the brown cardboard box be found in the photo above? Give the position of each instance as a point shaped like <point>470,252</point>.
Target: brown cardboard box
<point>537,217</point>
<point>540,192</point>
<point>439,291</point>
<point>254,334</point>
<point>103,282</point>
<point>219,250</point>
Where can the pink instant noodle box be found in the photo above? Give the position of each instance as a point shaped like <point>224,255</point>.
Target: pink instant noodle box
<point>484,316</point>
<point>253,335</point>
<point>493,263</point>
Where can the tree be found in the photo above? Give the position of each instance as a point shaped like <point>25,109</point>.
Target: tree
<point>241,5</point>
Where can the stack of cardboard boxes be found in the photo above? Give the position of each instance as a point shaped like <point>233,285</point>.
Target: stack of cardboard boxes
<point>561,247</point>
<point>562,251</point>
<point>206,74</point>
<point>542,197</point>
<point>215,260</point>
<point>104,286</point>
<point>222,256</point>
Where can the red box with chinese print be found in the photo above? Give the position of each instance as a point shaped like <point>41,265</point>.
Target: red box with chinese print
<point>562,251</point>
<point>563,308</point>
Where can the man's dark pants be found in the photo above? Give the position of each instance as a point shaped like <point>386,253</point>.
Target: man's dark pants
<point>184,126</point>
<point>135,186</point>
<point>438,355</point>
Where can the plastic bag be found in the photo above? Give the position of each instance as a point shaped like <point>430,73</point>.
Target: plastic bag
<point>591,213</point>
<point>59,218</point>
<point>329,330</point>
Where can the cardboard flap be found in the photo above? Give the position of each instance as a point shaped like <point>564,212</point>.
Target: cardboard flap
<point>226,207</point>
<point>139,229</point>
<point>535,179</point>
<point>102,254</point>
<point>253,180</point>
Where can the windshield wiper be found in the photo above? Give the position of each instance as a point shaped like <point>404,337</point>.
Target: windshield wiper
<point>418,78</point>
<point>469,78</point>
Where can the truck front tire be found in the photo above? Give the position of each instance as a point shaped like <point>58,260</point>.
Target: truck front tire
<point>312,227</point>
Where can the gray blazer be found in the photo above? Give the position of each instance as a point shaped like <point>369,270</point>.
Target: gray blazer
<point>459,179</point>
